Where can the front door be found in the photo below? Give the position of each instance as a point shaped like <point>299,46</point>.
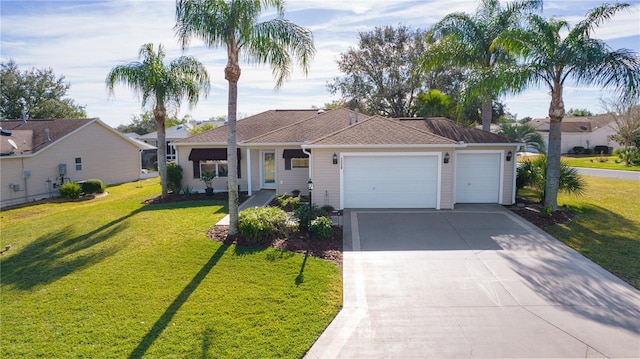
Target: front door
<point>268,169</point>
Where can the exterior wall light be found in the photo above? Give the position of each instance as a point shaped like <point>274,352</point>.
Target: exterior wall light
<point>509,156</point>
<point>335,159</point>
<point>446,157</point>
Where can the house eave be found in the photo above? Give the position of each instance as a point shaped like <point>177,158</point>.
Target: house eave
<point>392,146</point>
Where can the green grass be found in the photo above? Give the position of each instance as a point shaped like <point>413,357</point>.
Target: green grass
<point>607,226</point>
<point>603,162</point>
<point>113,278</point>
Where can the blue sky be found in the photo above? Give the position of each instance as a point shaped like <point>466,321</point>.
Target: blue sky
<point>84,39</point>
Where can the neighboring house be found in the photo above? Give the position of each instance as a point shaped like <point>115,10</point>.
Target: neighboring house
<point>358,161</point>
<point>587,132</point>
<point>39,155</point>
<point>171,134</point>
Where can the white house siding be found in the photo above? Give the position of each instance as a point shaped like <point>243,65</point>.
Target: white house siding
<point>105,156</point>
<point>599,137</point>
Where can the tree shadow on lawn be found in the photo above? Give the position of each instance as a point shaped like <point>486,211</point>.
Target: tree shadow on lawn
<point>166,317</point>
<point>59,253</point>
<point>580,286</point>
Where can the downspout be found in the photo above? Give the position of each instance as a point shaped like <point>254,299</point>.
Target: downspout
<point>304,150</point>
<point>249,189</point>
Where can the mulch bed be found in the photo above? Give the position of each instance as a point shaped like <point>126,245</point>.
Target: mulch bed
<point>534,213</point>
<point>172,197</point>
<point>329,248</point>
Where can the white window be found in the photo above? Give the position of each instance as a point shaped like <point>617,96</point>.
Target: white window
<point>78,163</point>
<point>300,162</point>
<point>220,168</point>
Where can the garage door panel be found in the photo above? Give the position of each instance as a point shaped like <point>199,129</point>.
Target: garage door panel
<point>390,181</point>
<point>478,178</point>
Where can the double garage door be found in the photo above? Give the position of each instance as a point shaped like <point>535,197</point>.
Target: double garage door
<point>396,181</point>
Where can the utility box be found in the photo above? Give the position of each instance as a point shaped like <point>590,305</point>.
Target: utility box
<point>62,169</point>
<point>14,186</point>
<point>26,174</point>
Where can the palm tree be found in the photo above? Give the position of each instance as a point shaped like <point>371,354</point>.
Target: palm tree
<point>234,25</point>
<point>467,41</point>
<point>551,59</point>
<point>161,86</point>
<point>533,173</point>
<point>524,133</point>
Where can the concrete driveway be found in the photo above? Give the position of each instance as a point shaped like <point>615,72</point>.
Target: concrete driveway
<point>473,282</point>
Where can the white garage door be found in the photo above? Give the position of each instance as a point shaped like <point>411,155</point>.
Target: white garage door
<point>477,178</point>
<point>390,181</point>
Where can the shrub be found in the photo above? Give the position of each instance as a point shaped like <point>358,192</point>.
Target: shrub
<point>295,193</point>
<point>578,150</point>
<point>260,224</point>
<point>93,186</point>
<point>287,201</point>
<point>327,208</point>
<point>187,190</point>
<point>174,177</point>
<point>629,156</point>
<point>322,227</point>
<point>302,214</point>
<point>70,190</point>
<point>532,172</point>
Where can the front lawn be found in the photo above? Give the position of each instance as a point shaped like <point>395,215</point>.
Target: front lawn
<point>114,278</point>
<point>606,228</point>
<point>603,162</point>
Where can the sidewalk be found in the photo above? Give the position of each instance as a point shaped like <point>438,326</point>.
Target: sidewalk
<point>258,199</point>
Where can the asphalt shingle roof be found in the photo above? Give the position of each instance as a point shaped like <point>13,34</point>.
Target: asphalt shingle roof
<point>31,136</point>
<point>379,130</point>
<point>455,131</point>
<point>252,126</point>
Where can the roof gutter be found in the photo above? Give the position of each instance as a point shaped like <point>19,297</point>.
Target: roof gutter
<point>447,145</point>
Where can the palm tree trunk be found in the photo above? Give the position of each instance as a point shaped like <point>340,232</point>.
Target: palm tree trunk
<point>556,113</point>
<point>159,114</point>
<point>487,112</point>
<point>232,74</point>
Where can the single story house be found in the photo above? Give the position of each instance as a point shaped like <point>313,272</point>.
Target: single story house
<point>358,161</point>
<point>587,132</point>
<point>171,134</point>
<point>37,156</point>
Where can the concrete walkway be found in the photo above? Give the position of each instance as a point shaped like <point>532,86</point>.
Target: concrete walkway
<point>258,199</point>
<point>475,282</point>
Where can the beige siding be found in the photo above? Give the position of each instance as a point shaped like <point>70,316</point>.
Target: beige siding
<point>289,180</point>
<point>447,194</point>
<point>105,155</point>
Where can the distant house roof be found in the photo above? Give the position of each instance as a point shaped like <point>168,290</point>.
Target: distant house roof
<point>35,135</point>
<point>575,124</point>
<point>173,132</point>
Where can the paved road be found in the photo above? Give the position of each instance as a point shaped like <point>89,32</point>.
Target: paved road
<point>632,175</point>
<point>476,282</point>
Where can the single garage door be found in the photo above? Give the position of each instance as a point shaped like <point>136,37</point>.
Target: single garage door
<point>403,181</point>
<point>477,177</point>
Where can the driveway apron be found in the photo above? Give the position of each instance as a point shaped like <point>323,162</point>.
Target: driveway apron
<point>475,282</point>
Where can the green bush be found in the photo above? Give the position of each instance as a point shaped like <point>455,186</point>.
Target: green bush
<point>92,186</point>
<point>288,201</point>
<point>174,177</point>
<point>261,224</point>
<point>70,190</point>
<point>629,155</point>
<point>302,214</point>
<point>533,173</point>
<point>322,227</point>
